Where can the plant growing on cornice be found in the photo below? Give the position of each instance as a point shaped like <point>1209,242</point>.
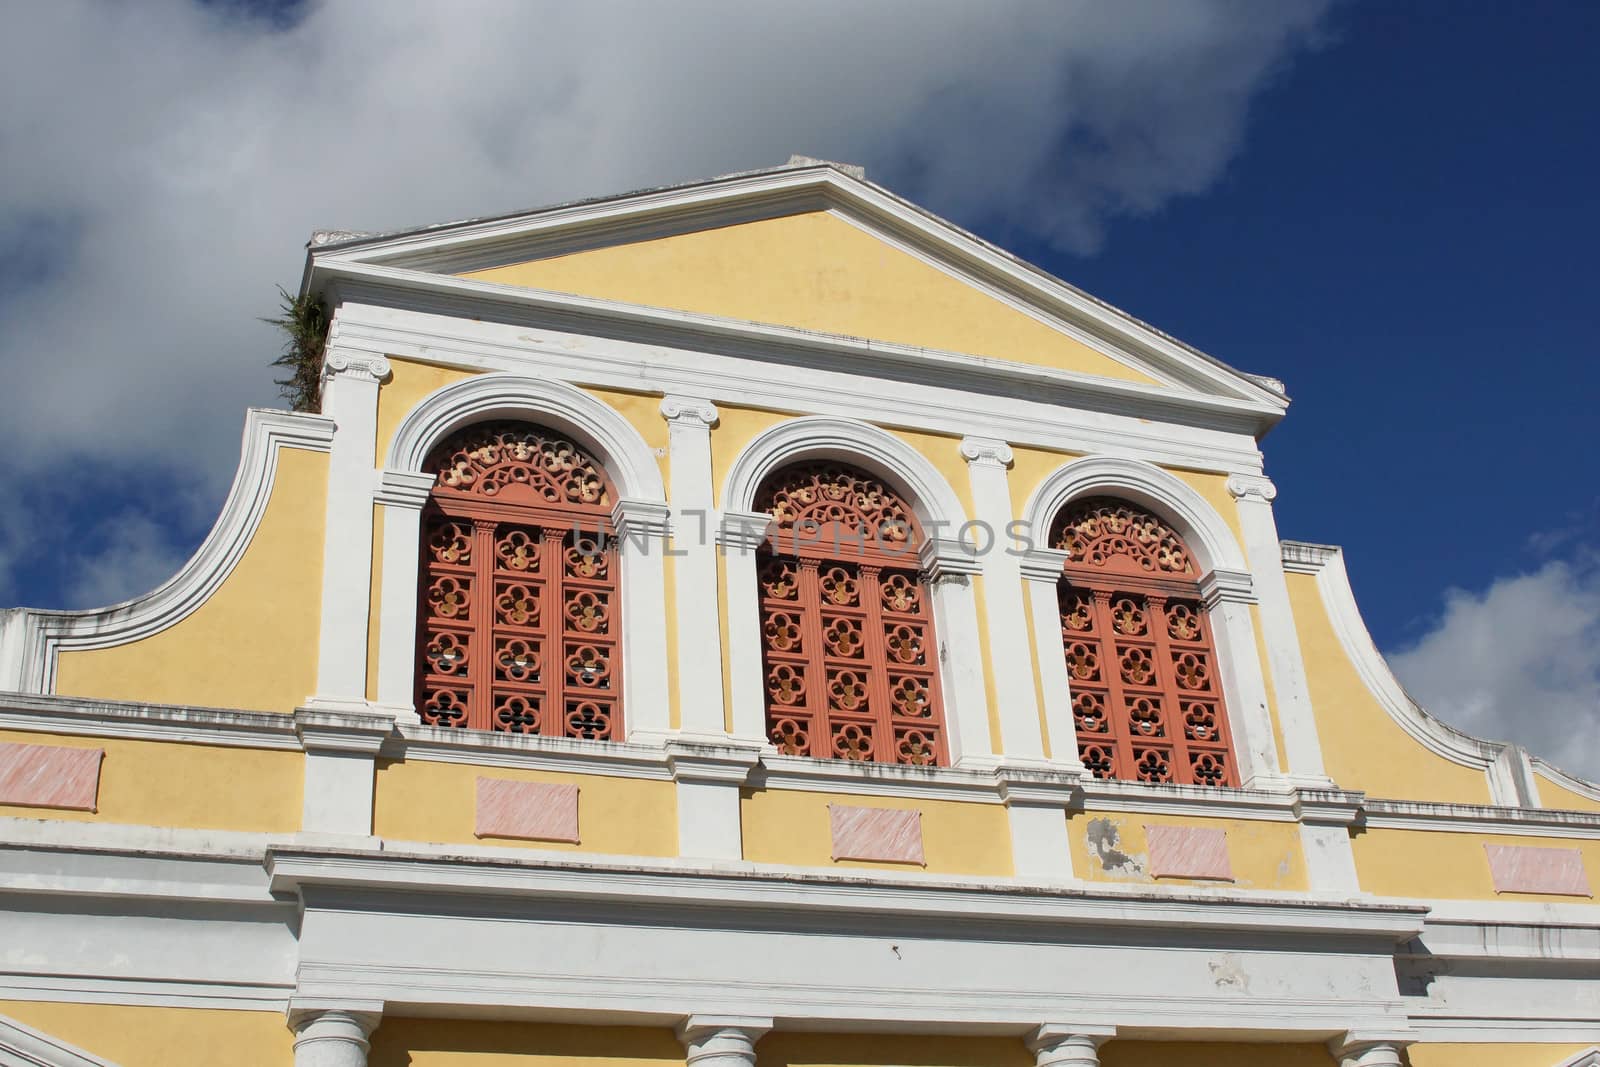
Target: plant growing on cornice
<point>304,322</point>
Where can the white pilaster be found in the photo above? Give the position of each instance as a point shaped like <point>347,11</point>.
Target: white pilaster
<point>341,753</point>
<point>1036,800</point>
<point>709,777</point>
<point>350,397</point>
<point>332,1038</point>
<point>949,568</point>
<point>689,422</point>
<point>722,1040</point>
<point>641,529</point>
<point>1069,1045</point>
<point>402,495</point>
<point>739,535</point>
<point>1227,595</point>
<point>1009,653</point>
<point>1041,570</point>
<point>1326,816</point>
<point>1302,747</point>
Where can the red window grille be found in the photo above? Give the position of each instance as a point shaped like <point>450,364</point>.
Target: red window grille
<point>520,613</point>
<point>1146,699</point>
<point>850,655</point>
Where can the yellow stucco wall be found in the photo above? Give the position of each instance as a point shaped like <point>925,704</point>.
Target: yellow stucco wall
<point>792,827</point>
<point>163,1037</point>
<point>1219,1054</point>
<point>423,800</point>
<point>409,382</point>
<point>165,783</point>
<point>883,1050</point>
<point>253,644</point>
<point>1519,1055</point>
<point>1362,747</point>
<point>454,1043</point>
<point>813,271</point>
<point>1552,795</point>
<point>1446,866</point>
<point>1264,855</point>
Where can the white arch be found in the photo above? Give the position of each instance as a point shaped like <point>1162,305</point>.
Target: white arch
<point>1202,529</point>
<point>614,441</point>
<point>859,443</point>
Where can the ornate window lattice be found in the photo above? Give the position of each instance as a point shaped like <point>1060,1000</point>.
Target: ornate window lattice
<point>850,655</point>
<point>1146,699</point>
<point>519,602</point>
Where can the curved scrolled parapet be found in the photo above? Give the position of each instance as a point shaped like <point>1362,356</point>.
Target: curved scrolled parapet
<point>234,627</point>
<point>1510,777</point>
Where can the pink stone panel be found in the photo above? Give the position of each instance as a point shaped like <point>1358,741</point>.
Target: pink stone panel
<point>50,776</point>
<point>531,811</point>
<point>1517,869</point>
<point>1188,852</point>
<point>888,834</point>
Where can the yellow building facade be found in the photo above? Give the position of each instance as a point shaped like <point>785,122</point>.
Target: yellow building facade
<point>1077,763</point>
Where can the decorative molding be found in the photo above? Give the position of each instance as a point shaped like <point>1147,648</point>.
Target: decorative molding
<point>1326,562</point>
<point>1218,586</point>
<point>590,422</point>
<point>850,441</point>
<point>1252,487</point>
<point>1480,819</point>
<point>23,1046</point>
<point>403,489</point>
<point>1203,530</point>
<point>1545,769</point>
<point>986,452</point>
<point>1589,1057</point>
<point>743,531</point>
<point>689,411</point>
<point>647,519</point>
<point>35,638</point>
<point>1044,564</point>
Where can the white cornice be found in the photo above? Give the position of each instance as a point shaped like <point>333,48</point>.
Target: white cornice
<point>86,717</point>
<point>1475,819</point>
<point>720,202</point>
<point>34,638</point>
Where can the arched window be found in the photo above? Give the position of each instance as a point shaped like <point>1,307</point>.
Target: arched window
<point>1146,699</point>
<point>519,607</point>
<point>850,657</point>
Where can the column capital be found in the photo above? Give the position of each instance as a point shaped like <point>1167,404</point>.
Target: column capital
<point>945,557</point>
<point>1044,564</point>
<point>361,732</point>
<point>355,364</point>
<point>640,518</point>
<point>1254,486</point>
<point>1232,586</point>
<point>1069,1044</point>
<point>327,1036</point>
<point>689,411</point>
<point>744,530</point>
<point>722,1040</point>
<point>1356,1049</point>
<point>986,452</point>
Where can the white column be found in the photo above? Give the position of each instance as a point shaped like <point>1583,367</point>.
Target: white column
<point>1302,747</point>
<point>402,495</point>
<point>1009,654</point>
<point>739,535</point>
<point>722,1040</point>
<point>332,1038</point>
<point>1041,570</point>
<point>1355,1051</point>
<point>709,776</point>
<point>1326,816</point>
<point>1227,596</point>
<point>949,569</point>
<point>350,397</point>
<point>689,423</point>
<point>341,766</point>
<point>641,528</point>
<point>1069,1045</point>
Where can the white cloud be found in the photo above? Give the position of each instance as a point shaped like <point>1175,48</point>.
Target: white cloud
<point>1520,662</point>
<point>128,554</point>
<point>161,164</point>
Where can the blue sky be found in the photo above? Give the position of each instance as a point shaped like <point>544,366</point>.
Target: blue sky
<point>1387,205</point>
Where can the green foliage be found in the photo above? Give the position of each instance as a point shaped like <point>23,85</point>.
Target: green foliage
<point>304,322</point>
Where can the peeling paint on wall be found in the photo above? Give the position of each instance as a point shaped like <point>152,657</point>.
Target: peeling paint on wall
<point>1102,838</point>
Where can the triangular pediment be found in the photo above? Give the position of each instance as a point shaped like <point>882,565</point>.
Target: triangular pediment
<point>816,271</point>
<point>802,253</point>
